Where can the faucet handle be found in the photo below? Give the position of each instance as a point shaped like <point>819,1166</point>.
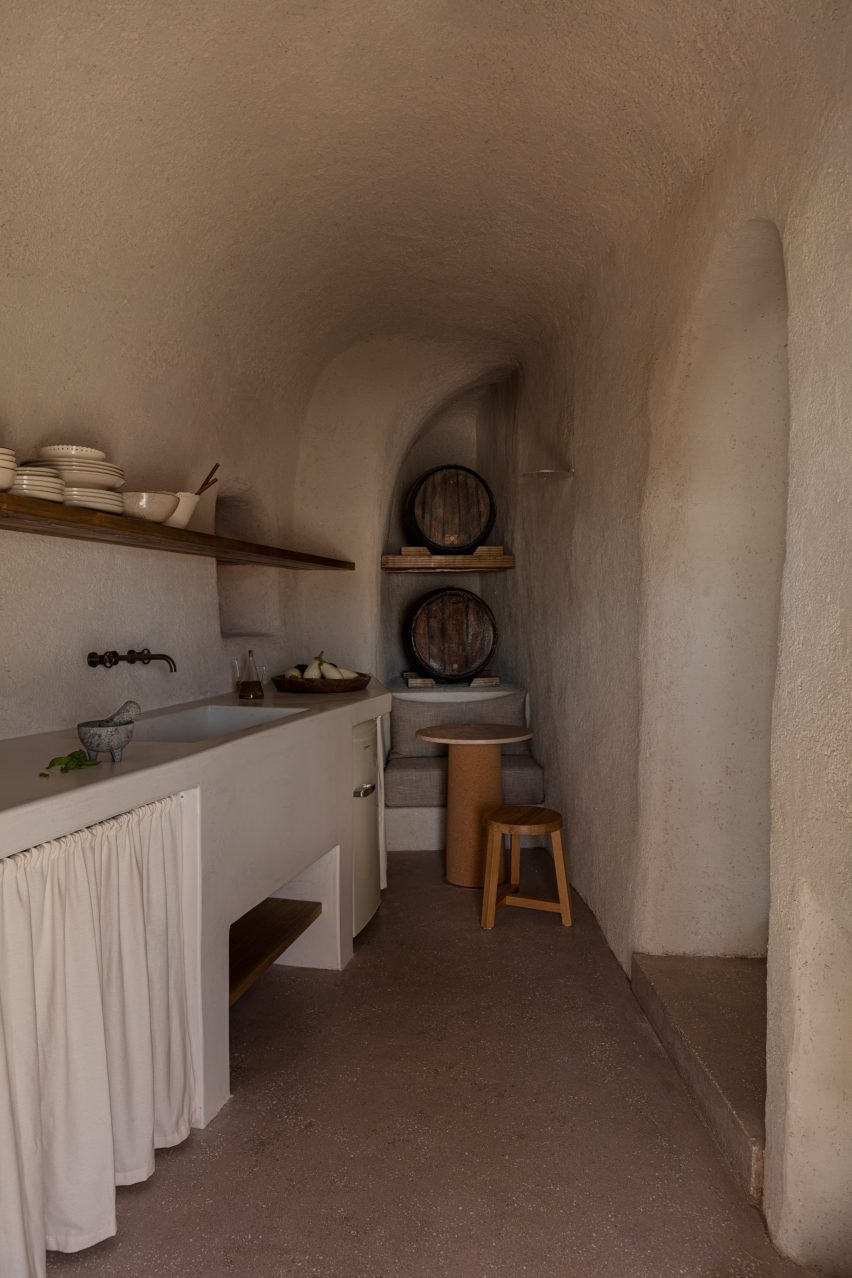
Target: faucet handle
<point>107,659</point>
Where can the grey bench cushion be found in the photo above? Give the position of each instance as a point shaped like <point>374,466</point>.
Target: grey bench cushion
<point>407,716</point>
<point>422,783</point>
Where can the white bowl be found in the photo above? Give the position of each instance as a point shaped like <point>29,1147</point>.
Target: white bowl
<point>82,463</point>
<point>7,479</point>
<point>83,477</point>
<point>92,462</point>
<point>102,494</point>
<point>38,496</point>
<point>95,502</point>
<point>185,510</point>
<point>76,494</point>
<point>71,450</point>
<point>25,482</point>
<point>96,494</point>
<point>80,478</point>
<point>155,507</point>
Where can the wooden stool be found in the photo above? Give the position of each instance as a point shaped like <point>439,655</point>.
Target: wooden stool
<point>517,821</point>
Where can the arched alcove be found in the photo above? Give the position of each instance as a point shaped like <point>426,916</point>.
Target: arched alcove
<point>463,431</point>
<point>713,551</point>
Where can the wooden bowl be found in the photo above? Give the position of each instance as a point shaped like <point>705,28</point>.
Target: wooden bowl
<point>283,684</point>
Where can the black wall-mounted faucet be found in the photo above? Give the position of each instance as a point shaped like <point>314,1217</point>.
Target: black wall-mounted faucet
<point>145,656</point>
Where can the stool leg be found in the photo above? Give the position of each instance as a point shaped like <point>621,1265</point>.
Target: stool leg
<point>561,878</point>
<point>515,873</point>
<point>493,857</point>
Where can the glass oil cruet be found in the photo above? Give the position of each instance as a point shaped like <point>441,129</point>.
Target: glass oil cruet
<point>249,678</point>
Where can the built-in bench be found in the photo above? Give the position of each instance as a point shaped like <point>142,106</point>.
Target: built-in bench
<point>415,777</point>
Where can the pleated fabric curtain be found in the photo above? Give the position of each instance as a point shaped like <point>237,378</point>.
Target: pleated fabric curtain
<point>95,1066</point>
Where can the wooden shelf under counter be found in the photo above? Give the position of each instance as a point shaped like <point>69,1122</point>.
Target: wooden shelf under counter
<point>262,935</point>
<point>50,519</point>
<point>419,559</point>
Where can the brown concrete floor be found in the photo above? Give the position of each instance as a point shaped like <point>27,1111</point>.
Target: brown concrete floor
<point>456,1104</point>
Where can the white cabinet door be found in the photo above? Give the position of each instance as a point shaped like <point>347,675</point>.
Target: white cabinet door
<point>366,892</point>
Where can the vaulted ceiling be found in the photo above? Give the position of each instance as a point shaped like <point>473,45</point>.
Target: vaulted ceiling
<point>262,177</point>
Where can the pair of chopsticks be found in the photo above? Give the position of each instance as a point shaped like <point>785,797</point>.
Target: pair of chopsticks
<point>208,481</point>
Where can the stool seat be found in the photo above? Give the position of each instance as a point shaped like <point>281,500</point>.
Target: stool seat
<point>516,821</point>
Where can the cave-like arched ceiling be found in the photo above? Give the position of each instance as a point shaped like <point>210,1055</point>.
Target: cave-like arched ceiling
<point>318,172</point>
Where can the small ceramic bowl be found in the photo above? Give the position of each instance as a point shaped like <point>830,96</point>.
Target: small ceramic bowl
<point>109,736</point>
<point>82,476</point>
<point>7,478</point>
<point>185,510</point>
<point>155,507</point>
<point>97,737</point>
<point>71,450</point>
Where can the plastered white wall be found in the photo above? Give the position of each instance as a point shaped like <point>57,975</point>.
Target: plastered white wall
<point>283,238</point>
<point>587,592</point>
<point>205,206</point>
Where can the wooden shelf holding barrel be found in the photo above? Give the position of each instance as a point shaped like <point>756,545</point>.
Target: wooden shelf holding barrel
<point>420,559</point>
<point>448,514</point>
<point>450,636</point>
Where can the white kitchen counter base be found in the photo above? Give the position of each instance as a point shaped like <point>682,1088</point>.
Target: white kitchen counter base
<point>263,811</point>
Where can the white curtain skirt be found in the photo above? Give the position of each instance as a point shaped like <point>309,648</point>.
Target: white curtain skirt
<point>95,1066</point>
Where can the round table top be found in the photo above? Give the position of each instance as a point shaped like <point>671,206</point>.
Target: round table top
<point>475,733</point>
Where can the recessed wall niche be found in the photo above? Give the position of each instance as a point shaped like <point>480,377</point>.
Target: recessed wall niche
<point>713,540</point>
<point>449,437</point>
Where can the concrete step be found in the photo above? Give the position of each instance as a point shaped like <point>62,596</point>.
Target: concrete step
<point>710,1016</point>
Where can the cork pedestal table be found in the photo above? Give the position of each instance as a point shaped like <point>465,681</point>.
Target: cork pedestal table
<point>474,788</point>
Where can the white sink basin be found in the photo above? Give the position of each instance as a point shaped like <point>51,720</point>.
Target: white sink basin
<point>206,723</point>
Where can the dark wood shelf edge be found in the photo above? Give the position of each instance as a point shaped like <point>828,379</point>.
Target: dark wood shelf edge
<point>49,519</point>
<point>262,935</point>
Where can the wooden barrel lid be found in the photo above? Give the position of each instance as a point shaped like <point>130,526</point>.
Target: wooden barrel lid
<point>449,509</point>
<point>450,634</point>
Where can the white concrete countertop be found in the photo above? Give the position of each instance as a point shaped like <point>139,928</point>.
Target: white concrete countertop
<point>31,805</point>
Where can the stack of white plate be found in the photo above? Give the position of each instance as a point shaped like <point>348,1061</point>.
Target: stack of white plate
<point>7,469</point>
<point>80,466</point>
<point>95,499</point>
<point>40,482</point>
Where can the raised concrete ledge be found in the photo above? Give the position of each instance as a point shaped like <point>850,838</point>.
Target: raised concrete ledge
<point>710,1016</point>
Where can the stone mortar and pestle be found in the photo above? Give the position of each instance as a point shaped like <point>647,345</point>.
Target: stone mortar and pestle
<point>109,736</point>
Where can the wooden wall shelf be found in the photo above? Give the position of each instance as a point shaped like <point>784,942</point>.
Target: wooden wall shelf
<point>49,519</point>
<point>261,936</point>
<point>419,559</point>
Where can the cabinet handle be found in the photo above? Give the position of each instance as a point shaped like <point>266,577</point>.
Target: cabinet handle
<point>364,791</point>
